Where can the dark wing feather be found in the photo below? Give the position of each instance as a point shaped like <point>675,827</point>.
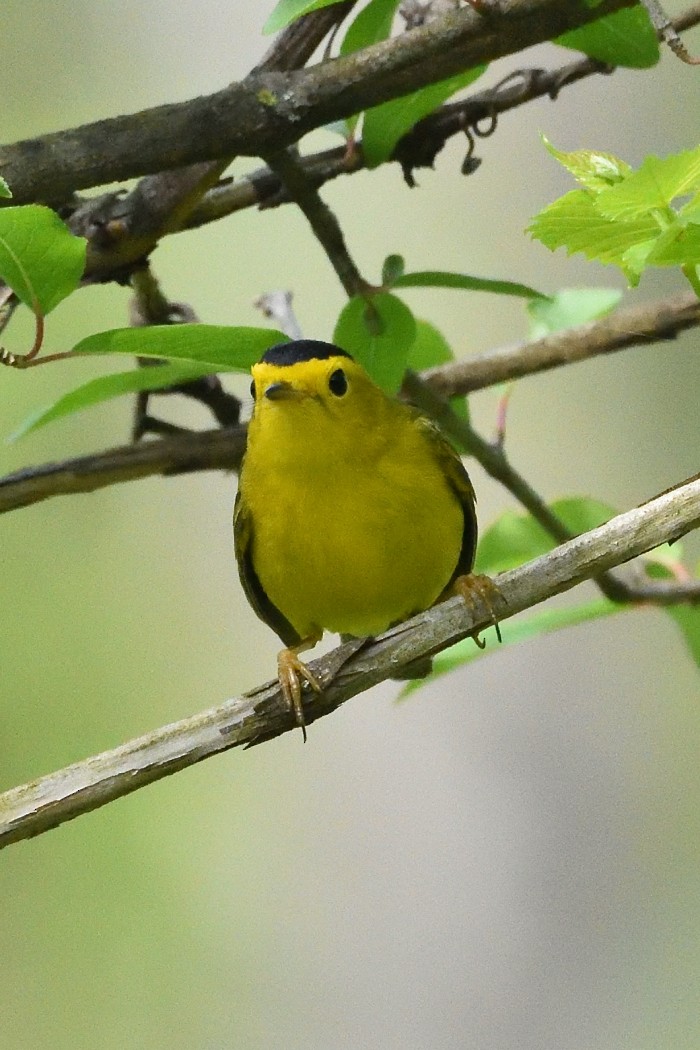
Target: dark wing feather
<point>460,483</point>
<point>263,607</point>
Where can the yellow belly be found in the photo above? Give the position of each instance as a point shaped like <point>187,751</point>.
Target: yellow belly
<point>376,546</point>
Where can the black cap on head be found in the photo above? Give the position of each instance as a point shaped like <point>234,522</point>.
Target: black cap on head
<point>301,350</point>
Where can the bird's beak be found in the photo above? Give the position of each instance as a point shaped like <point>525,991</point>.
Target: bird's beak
<point>282,391</point>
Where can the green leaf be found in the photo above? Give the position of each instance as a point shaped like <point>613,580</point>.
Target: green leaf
<point>690,212</point>
<point>656,183</point>
<point>220,347</point>
<point>625,38</point>
<point>677,246</point>
<point>593,169</point>
<point>5,190</point>
<point>688,619</point>
<point>384,125</point>
<point>379,335</point>
<point>371,25</point>
<point>522,629</point>
<point>516,538</point>
<point>429,349</point>
<point>570,307</point>
<point>40,259</point>
<point>288,11</point>
<point>104,388</point>
<point>573,222</point>
<point>392,270</point>
<point>442,279</point>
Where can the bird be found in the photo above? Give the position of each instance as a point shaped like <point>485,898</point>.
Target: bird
<point>353,511</point>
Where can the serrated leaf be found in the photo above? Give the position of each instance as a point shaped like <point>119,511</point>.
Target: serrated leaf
<point>5,190</point>
<point>443,279</point>
<point>574,223</point>
<point>220,347</point>
<point>384,125</point>
<point>379,335</point>
<point>677,246</point>
<point>392,270</point>
<point>513,632</point>
<point>625,38</point>
<point>104,388</point>
<point>656,183</point>
<point>593,169</point>
<point>40,259</point>
<point>570,307</point>
<point>690,212</point>
<point>516,538</point>
<point>288,11</point>
<point>635,259</point>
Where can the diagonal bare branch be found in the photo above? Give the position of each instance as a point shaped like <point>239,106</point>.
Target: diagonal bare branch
<point>660,320</point>
<point>45,803</point>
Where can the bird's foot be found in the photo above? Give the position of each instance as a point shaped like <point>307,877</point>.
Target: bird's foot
<point>291,672</point>
<point>475,589</point>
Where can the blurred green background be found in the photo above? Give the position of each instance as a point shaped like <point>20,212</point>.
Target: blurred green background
<point>508,859</point>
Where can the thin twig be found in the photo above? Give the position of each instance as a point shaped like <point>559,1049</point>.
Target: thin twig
<point>208,450</point>
<point>496,464</point>
<point>45,803</point>
<point>638,325</point>
<point>667,31</point>
<point>323,222</point>
<point>294,46</point>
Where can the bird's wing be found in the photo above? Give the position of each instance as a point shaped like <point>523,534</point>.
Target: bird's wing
<point>459,481</point>
<point>243,545</point>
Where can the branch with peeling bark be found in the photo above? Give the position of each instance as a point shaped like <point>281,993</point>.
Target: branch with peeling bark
<point>260,715</point>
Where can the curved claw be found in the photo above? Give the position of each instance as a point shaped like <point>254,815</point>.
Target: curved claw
<point>291,671</point>
<point>473,588</point>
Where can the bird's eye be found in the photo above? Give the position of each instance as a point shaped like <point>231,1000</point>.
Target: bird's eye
<point>252,390</point>
<point>337,383</point>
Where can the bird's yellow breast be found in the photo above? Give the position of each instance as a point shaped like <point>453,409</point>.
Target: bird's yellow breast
<point>354,525</point>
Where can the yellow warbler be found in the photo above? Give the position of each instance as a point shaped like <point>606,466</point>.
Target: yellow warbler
<point>353,512</point>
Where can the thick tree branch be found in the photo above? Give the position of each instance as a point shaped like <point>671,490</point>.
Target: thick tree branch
<point>121,231</point>
<point>45,803</point>
<point>270,110</point>
<point>418,148</point>
<point>208,450</point>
